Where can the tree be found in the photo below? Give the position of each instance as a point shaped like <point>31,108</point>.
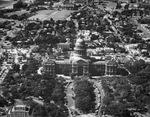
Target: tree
<point>137,66</point>
<point>32,105</point>
<point>121,71</point>
<point>84,103</point>
<point>16,67</point>
<point>127,93</point>
<point>19,4</point>
<point>51,4</point>
<point>3,102</point>
<point>58,93</point>
<point>56,111</point>
<point>39,111</point>
<point>107,100</point>
<point>24,67</point>
<point>33,66</point>
<point>85,96</point>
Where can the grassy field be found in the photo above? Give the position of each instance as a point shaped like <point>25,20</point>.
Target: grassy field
<point>60,15</point>
<point>47,14</point>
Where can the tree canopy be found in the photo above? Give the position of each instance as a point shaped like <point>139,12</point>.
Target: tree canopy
<point>84,95</point>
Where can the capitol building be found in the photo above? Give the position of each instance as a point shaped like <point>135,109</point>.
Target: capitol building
<point>81,64</point>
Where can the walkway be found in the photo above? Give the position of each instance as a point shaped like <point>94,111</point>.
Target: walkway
<point>71,102</point>
<point>70,92</point>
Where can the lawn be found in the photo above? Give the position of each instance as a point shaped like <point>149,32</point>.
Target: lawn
<point>60,15</point>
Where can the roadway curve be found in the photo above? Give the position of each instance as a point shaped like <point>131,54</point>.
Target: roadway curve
<point>71,102</point>
<point>100,89</point>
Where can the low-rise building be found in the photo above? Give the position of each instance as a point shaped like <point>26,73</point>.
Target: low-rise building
<point>18,111</point>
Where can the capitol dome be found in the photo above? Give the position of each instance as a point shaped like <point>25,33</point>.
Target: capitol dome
<point>80,45</point>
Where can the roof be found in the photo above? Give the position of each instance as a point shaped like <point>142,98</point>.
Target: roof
<point>64,61</point>
<point>76,60</point>
<point>20,106</point>
<point>49,62</point>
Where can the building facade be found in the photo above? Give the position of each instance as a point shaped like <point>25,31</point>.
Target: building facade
<point>49,67</point>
